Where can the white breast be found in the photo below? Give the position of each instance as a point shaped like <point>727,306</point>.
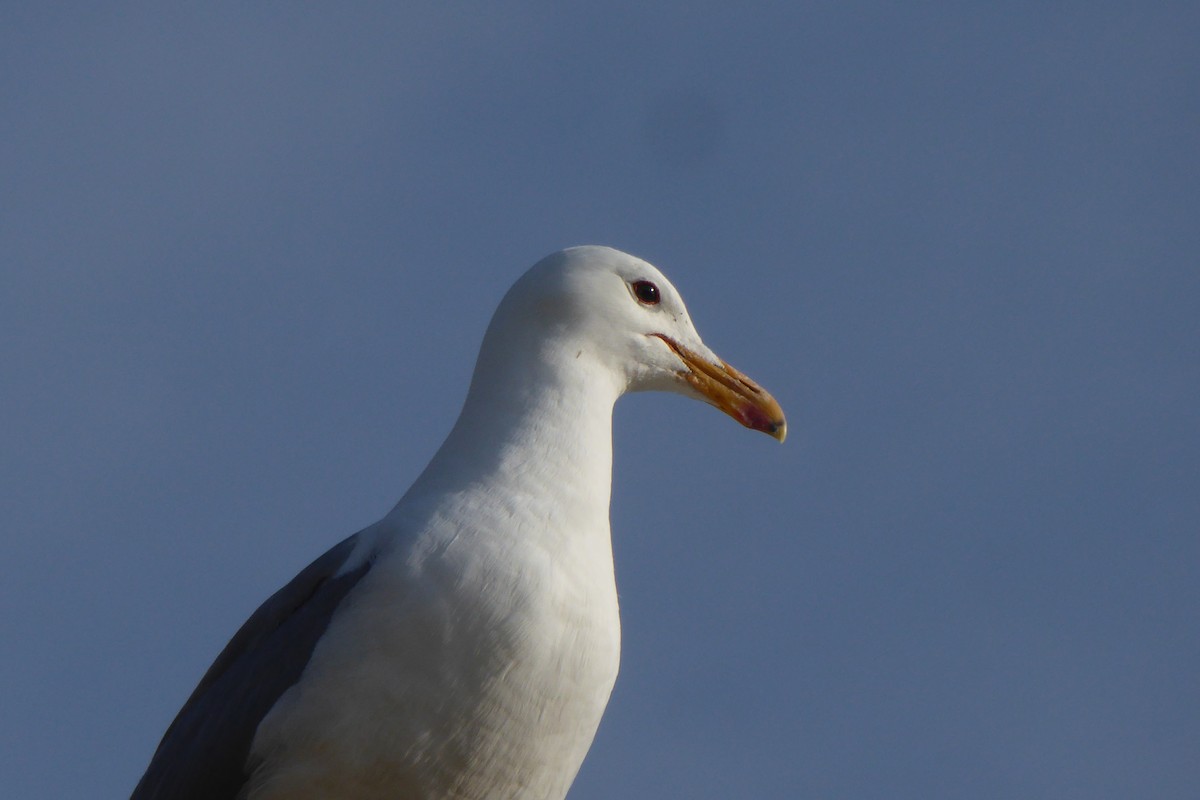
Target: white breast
<point>472,666</point>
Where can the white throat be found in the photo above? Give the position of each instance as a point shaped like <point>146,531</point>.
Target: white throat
<point>536,434</point>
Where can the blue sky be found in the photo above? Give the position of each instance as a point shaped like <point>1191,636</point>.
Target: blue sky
<point>248,254</point>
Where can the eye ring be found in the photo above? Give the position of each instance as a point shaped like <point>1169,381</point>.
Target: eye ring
<point>646,293</point>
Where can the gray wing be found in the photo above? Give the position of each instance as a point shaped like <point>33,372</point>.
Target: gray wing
<point>203,754</point>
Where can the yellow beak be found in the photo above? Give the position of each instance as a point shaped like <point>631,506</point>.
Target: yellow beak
<point>731,391</point>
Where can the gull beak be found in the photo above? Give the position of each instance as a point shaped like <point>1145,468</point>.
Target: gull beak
<point>731,391</point>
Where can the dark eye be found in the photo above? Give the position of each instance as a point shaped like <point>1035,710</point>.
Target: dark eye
<point>646,293</point>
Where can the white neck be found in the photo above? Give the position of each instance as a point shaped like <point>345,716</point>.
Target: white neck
<point>539,431</point>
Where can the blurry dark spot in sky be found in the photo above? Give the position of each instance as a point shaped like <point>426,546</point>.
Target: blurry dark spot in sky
<point>683,128</point>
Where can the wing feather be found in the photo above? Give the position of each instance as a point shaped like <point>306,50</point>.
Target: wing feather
<point>203,754</point>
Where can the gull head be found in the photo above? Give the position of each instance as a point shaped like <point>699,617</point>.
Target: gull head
<point>623,320</point>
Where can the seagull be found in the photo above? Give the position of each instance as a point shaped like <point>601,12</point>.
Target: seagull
<point>464,647</point>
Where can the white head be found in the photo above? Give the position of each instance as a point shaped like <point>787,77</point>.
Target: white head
<point>597,305</point>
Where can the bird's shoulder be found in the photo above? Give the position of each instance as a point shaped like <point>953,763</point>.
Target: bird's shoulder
<point>204,751</point>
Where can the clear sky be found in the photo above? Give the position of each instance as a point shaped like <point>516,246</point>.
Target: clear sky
<point>247,254</point>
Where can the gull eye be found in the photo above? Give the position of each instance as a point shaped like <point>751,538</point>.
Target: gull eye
<point>646,293</point>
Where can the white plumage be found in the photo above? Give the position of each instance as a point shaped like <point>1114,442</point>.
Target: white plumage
<point>471,637</point>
